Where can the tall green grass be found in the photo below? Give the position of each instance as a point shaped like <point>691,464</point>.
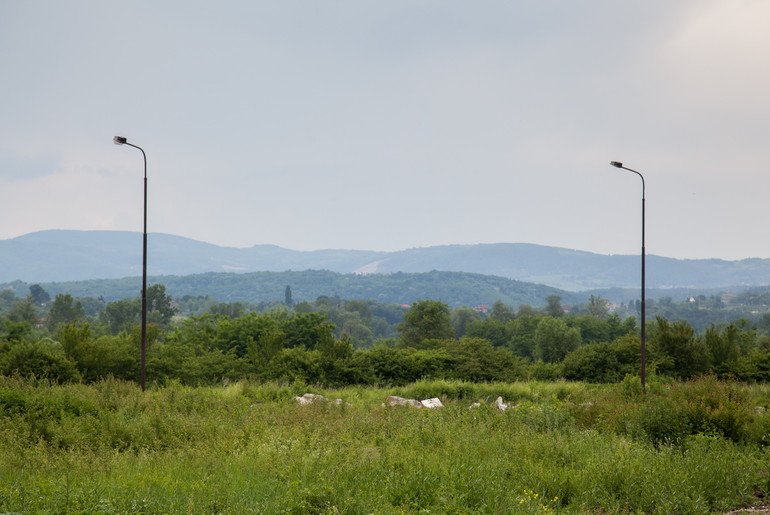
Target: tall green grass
<point>249,448</point>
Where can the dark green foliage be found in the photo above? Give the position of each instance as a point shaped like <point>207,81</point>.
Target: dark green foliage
<point>462,318</point>
<point>279,343</point>
<point>11,331</point>
<point>755,367</point>
<point>160,307</point>
<point>453,288</point>
<point>97,358</point>
<point>679,352</point>
<point>403,365</point>
<point>594,329</point>
<point>39,295</point>
<point>603,362</point>
<point>297,365</point>
<point>120,315</point>
<point>492,330</point>
<point>426,319</point>
<point>42,359</point>
<point>521,332</point>
<point>476,360</point>
<point>554,339</point>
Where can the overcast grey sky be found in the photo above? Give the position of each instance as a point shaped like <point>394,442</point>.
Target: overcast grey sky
<point>392,124</point>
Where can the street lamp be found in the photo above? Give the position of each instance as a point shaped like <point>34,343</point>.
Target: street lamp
<point>119,140</point>
<point>644,320</point>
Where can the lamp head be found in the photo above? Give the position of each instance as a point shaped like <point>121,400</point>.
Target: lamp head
<point>119,140</point>
<point>613,163</point>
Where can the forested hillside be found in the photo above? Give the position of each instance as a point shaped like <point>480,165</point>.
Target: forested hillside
<point>454,288</point>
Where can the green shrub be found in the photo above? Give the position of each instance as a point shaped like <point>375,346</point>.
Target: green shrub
<point>42,359</point>
<point>663,422</point>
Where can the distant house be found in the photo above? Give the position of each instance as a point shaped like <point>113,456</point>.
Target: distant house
<point>483,308</point>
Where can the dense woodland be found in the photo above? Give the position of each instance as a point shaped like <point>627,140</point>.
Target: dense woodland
<point>337,342</point>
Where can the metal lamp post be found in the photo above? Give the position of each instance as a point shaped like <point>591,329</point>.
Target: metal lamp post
<point>616,164</point>
<point>119,140</point>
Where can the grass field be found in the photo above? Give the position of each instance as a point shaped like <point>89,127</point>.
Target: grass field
<point>699,447</point>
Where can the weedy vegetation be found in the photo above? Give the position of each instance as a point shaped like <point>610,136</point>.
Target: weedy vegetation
<point>697,447</point>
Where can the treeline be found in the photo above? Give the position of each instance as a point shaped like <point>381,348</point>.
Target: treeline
<point>454,288</point>
<point>334,342</point>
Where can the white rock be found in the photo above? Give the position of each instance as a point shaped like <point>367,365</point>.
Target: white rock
<point>310,398</point>
<point>394,400</point>
<point>433,403</point>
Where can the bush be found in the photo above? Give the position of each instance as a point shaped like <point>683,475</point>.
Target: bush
<point>714,406</point>
<point>43,359</point>
<point>602,362</point>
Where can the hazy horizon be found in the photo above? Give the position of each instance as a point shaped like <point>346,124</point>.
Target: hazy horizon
<point>139,233</point>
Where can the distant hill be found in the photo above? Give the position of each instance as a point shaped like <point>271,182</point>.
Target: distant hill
<point>55,256</point>
<point>454,288</point>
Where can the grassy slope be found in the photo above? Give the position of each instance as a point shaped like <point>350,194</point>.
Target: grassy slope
<point>247,448</point>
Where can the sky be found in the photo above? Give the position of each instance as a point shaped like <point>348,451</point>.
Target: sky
<point>388,125</point>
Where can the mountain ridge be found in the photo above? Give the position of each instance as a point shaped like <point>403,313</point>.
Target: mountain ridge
<point>65,255</point>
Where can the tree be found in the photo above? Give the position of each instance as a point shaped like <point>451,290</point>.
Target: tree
<point>287,296</point>
<point>120,315</point>
<point>306,329</point>
<point>493,331</point>
<point>160,307</point>
<point>426,319</point>
<point>728,344</point>
<point>554,339</point>
<point>554,308</point>
<point>681,353</point>
<point>64,310</point>
<point>23,310</point>
<point>39,295</point>
<point>228,309</point>
<point>362,307</point>
<point>526,310</point>
<point>355,327</point>
<point>71,336</point>
<point>265,348</point>
<point>462,317</point>
<point>501,312</point>
<point>521,338</point>
<point>598,306</point>
<point>334,360</point>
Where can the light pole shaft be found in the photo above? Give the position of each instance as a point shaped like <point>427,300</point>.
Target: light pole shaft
<point>143,358</point>
<point>643,371</point>
<point>143,345</point>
